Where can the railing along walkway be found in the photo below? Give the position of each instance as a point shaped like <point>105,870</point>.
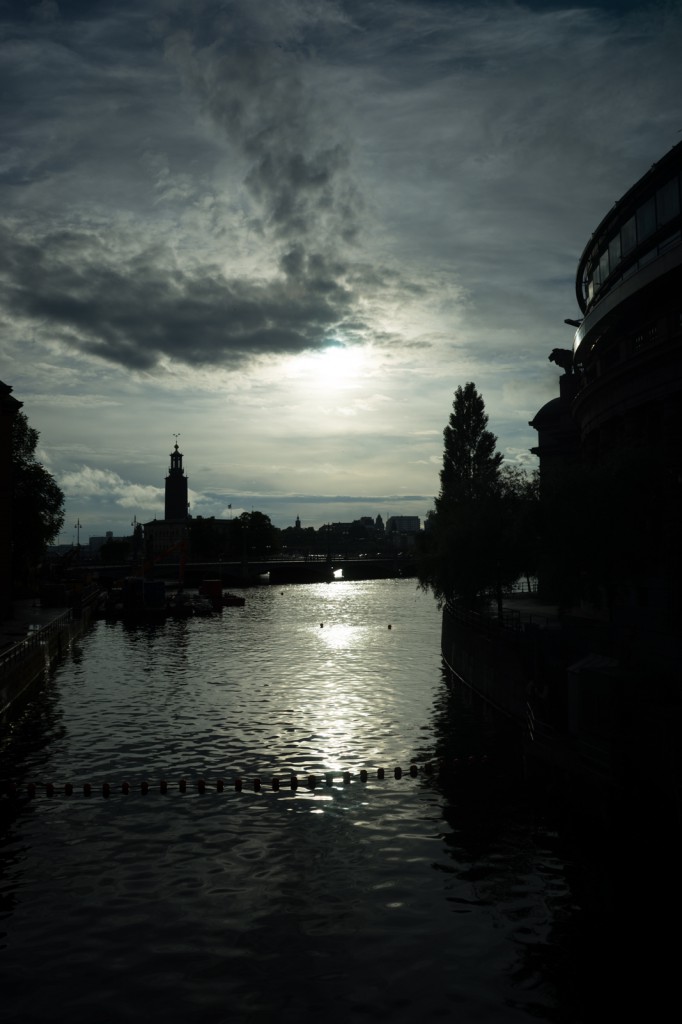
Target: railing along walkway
<point>37,636</point>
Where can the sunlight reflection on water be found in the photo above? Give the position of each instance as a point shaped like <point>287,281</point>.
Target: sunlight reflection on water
<point>353,900</point>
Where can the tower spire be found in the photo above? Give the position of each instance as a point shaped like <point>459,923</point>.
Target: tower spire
<point>176,486</point>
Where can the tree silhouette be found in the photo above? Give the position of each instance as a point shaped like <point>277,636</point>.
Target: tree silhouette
<point>472,542</point>
<point>37,504</point>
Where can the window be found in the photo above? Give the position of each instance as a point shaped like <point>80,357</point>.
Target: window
<point>646,219</point>
<point>628,236</point>
<point>614,252</point>
<point>668,201</point>
<point>604,265</point>
<point>596,276</point>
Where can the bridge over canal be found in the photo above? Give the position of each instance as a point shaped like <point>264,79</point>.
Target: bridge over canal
<point>273,571</point>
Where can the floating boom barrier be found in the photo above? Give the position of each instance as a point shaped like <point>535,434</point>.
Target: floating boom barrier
<point>241,783</point>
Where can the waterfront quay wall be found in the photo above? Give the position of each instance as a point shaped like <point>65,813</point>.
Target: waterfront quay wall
<point>569,703</point>
<point>487,658</point>
<point>46,633</point>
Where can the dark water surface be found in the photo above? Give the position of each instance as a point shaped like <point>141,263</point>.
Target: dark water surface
<point>436,898</point>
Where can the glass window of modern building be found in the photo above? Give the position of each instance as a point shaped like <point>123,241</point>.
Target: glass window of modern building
<point>646,219</point>
<point>628,236</point>
<point>614,252</point>
<point>668,201</point>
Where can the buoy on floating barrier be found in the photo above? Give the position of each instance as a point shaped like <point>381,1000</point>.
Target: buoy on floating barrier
<point>11,789</point>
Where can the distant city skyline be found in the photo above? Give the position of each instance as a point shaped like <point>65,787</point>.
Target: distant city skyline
<point>288,232</point>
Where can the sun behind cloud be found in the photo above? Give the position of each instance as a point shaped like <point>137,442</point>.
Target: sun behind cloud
<point>335,368</point>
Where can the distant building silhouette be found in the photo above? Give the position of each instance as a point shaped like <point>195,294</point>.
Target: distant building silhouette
<point>403,524</point>
<point>177,505</point>
<point>167,539</point>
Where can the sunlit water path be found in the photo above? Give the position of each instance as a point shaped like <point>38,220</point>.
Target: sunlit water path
<point>431,898</point>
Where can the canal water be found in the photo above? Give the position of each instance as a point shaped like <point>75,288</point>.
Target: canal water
<point>449,894</point>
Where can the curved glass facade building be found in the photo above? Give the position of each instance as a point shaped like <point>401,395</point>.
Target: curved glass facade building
<point>626,351</point>
<point>610,446</point>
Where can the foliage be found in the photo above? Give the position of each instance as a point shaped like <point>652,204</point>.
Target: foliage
<point>480,536</point>
<point>254,536</point>
<point>470,462</point>
<point>37,503</point>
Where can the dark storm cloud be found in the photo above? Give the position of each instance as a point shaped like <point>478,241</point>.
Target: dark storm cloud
<point>253,82</point>
<point>135,312</point>
<point>107,113</point>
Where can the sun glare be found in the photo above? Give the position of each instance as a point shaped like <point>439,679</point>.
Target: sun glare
<point>334,368</point>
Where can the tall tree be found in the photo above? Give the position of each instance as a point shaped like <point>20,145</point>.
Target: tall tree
<point>471,463</point>
<point>37,504</point>
<point>468,547</point>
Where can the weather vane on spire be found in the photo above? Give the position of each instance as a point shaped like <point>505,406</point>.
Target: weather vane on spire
<point>176,436</point>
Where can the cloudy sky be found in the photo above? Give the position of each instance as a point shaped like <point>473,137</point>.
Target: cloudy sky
<point>287,230</point>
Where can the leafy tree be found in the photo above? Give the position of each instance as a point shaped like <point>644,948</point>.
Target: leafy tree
<point>471,464</point>
<point>254,536</point>
<point>37,504</point>
<point>472,540</point>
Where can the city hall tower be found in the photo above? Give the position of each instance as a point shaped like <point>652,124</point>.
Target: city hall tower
<point>176,487</point>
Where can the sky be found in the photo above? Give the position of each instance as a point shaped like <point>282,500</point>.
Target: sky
<point>288,230</point>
